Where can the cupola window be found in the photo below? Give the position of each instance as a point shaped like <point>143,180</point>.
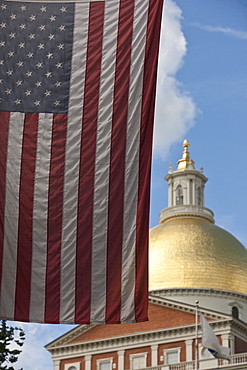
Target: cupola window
<point>199,196</point>
<point>179,195</point>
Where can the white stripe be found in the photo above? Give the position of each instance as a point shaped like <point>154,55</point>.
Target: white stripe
<point>11,214</point>
<point>72,163</point>
<point>102,161</point>
<point>132,160</point>
<point>40,214</point>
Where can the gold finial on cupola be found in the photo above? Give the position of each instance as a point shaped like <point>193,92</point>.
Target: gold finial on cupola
<point>185,162</point>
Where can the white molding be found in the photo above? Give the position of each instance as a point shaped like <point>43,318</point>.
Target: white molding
<point>75,364</point>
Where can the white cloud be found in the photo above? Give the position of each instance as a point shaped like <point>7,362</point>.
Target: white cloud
<point>175,108</point>
<point>226,30</point>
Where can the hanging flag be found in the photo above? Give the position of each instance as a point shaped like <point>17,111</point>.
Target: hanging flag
<point>210,341</point>
<point>77,91</point>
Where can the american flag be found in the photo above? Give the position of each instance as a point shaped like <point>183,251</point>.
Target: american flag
<point>77,91</point>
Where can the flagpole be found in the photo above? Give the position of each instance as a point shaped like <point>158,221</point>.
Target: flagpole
<point>196,349</point>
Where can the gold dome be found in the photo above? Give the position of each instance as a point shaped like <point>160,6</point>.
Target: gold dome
<point>188,252</point>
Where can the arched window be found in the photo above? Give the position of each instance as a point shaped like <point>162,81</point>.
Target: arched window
<point>199,195</point>
<point>179,195</point>
<point>235,312</point>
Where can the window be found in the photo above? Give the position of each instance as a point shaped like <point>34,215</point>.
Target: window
<point>199,196</point>
<point>104,364</point>
<point>235,312</point>
<point>172,356</point>
<point>179,195</point>
<point>73,366</point>
<point>138,361</point>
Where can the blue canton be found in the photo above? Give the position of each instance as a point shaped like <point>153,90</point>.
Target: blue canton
<point>35,56</point>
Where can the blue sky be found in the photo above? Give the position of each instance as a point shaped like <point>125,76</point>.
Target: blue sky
<point>201,96</point>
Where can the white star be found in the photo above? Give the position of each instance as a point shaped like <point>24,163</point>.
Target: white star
<point>41,46</point>
<point>23,7</point>
<point>43,8</point>
<point>47,93</point>
<point>17,101</point>
<point>8,91</point>
<point>52,18</point>
<point>30,55</point>
<point>13,16</point>
<point>12,35</point>
<point>37,102</point>
<point>59,65</point>
<point>32,17</point>
<point>60,46</point>
<point>29,74</point>
<point>62,28</point>
<point>19,83</point>
<point>38,83</point>
<point>48,74</point>
<point>39,64</point>
<point>1,62</point>
<point>11,54</point>
<point>1,81</point>
<point>2,43</point>
<point>20,64</point>
<point>21,45</point>
<point>28,92</point>
<point>3,6</point>
<point>50,55</point>
<point>51,37</point>
<point>3,25</point>
<point>9,72</point>
<point>42,27</point>
<point>57,103</point>
<point>58,84</point>
<point>23,26</point>
<point>63,9</point>
<point>32,36</point>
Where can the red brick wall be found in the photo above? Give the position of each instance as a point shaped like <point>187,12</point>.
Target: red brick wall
<point>159,317</point>
<point>240,346</point>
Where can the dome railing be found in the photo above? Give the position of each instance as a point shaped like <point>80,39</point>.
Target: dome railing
<point>186,210</point>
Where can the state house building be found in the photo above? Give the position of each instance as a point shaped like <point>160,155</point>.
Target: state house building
<point>190,259</point>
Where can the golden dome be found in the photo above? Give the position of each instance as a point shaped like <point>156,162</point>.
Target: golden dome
<point>186,249</point>
<point>187,252</point>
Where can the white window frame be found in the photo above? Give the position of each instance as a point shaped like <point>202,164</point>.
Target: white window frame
<point>75,364</point>
<point>102,360</point>
<point>169,350</point>
<point>141,354</point>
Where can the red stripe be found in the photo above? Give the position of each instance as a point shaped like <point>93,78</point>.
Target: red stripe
<point>4,119</point>
<point>87,163</point>
<point>26,194</point>
<point>149,89</point>
<point>54,222</point>
<point>117,162</point>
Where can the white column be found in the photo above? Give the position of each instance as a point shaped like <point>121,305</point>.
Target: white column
<point>189,347</point>
<point>232,344</point>
<point>121,360</point>
<point>56,364</point>
<point>225,340</point>
<point>88,362</point>
<point>154,356</point>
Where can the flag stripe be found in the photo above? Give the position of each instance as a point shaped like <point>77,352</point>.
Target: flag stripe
<point>102,160</point>
<point>72,161</point>
<point>3,163</point>
<point>87,161</point>
<point>24,251</point>
<point>117,165</point>
<point>40,212</point>
<point>55,210</point>
<point>132,161</point>
<point>11,213</point>
<point>149,89</point>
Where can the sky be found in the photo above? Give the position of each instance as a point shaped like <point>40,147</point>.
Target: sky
<point>201,96</point>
